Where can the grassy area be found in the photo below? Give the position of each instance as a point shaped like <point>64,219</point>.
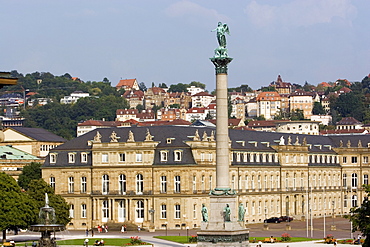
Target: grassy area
<point>177,239</point>
<point>183,239</point>
<point>108,241</point>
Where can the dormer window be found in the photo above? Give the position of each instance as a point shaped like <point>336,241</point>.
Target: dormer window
<point>71,157</point>
<point>164,155</point>
<point>53,158</point>
<point>83,157</point>
<point>177,155</point>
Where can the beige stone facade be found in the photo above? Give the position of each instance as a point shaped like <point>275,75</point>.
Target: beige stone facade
<point>172,169</point>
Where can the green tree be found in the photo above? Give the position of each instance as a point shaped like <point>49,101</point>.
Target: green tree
<point>36,191</point>
<point>360,218</point>
<point>261,118</point>
<point>180,87</point>
<point>296,114</point>
<point>350,105</point>
<point>142,86</point>
<point>268,89</point>
<point>318,109</point>
<point>197,84</point>
<point>140,108</point>
<point>17,208</point>
<point>29,172</point>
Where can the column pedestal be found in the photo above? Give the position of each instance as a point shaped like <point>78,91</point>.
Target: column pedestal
<point>217,232</point>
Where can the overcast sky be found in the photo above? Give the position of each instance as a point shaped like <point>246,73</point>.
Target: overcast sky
<point>171,41</point>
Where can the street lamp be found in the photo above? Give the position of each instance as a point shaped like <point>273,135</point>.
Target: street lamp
<point>151,212</point>
<point>187,234</point>
<point>333,226</point>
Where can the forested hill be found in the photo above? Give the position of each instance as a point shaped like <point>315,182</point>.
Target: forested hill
<point>62,119</point>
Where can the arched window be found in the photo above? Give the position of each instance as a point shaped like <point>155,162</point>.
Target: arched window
<point>122,184</point>
<point>140,211</point>
<point>83,210</point>
<point>105,184</point>
<point>139,183</point>
<point>354,180</point>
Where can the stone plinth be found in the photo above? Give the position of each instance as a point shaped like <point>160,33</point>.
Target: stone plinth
<point>217,232</point>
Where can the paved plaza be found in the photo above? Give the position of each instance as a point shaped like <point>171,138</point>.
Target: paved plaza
<point>298,229</point>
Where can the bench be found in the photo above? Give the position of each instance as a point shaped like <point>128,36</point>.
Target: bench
<point>8,244</point>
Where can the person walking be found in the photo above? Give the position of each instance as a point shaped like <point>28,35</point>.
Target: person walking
<point>122,229</point>
<point>335,243</point>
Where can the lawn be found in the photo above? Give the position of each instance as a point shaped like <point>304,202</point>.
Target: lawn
<point>107,241</point>
<point>183,239</point>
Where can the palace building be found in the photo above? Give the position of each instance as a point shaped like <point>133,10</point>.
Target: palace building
<point>160,176</point>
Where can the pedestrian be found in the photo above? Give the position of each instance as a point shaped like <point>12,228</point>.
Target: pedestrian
<point>87,232</point>
<point>92,232</point>
<point>86,242</point>
<point>358,239</point>
<point>122,229</point>
<point>106,228</point>
<point>260,243</point>
<point>124,226</point>
<point>335,243</point>
<point>138,228</point>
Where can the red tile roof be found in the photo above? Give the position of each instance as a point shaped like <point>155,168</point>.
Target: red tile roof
<point>126,83</point>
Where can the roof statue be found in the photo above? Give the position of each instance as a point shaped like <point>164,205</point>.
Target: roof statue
<point>221,29</point>
<point>148,136</point>
<point>114,137</point>
<point>282,141</point>
<point>196,137</point>
<point>348,144</point>
<point>97,137</point>
<point>205,137</point>
<point>130,137</point>
<point>212,138</point>
<point>296,141</point>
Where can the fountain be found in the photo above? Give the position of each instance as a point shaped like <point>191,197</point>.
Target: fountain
<point>47,225</point>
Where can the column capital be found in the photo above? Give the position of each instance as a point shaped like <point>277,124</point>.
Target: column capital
<point>221,64</point>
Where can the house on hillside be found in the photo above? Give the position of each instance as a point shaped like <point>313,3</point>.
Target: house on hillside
<point>71,99</point>
<point>128,84</point>
<point>89,125</point>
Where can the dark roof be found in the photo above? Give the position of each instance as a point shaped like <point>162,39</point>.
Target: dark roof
<point>39,134</point>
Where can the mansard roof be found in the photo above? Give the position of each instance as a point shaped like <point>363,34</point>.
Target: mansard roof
<point>38,134</point>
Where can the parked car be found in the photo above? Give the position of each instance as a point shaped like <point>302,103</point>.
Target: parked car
<point>272,220</point>
<point>286,218</point>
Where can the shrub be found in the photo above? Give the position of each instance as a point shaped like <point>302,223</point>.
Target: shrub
<point>136,240</point>
<point>285,237</point>
<point>193,239</point>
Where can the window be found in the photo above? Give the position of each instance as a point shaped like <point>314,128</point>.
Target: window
<point>71,157</point>
<point>163,184</point>
<point>177,211</point>
<point>194,211</point>
<point>105,184</point>
<point>104,158</point>
<point>122,211</point>
<point>164,155</point>
<point>140,209</point>
<point>52,182</point>
<point>71,185</point>
<point>354,159</point>
<point>210,156</point>
<point>366,159</point>
<point>122,157</point>
<point>210,182</point>
<point>178,155</point>
<point>366,179</point>
<point>344,180</point>
<point>194,183</point>
<point>202,185</point>
<point>139,183</point>
<point>83,210</point>
<point>71,211</point>
<point>201,156</point>
<point>53,158</point>
<point>177,184</point>
<point>354,180</point>
<point>83,157</point>
<point>83,184</point>
<point>163,211</point>
<point>344,159</point>
<point>139,157</point>
<point>105,210</point>
<point>354,201</point>
<point>122,184</point>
